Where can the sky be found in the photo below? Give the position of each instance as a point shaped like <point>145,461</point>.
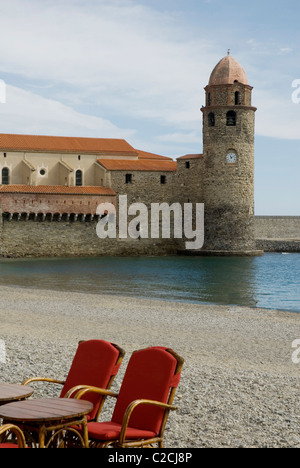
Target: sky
<point>137,70</point>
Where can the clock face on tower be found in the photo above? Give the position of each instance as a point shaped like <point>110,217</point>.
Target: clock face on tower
<point>231,157</point>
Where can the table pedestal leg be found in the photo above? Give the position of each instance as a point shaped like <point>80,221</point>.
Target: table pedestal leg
<point>85,433</point>
<point>42,436</point>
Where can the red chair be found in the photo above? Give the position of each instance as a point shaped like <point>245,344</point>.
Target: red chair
<point>16,431</point>
<point>143,403</point>
<point>96,363</point>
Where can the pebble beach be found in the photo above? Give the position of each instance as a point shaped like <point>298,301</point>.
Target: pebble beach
<point>239,385</point>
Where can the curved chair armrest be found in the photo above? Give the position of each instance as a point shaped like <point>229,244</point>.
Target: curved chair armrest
<point>87,389</point>
<point>75,390</point>
<point>42,379</point>
<point>131,408</point>
<point>16,431</point>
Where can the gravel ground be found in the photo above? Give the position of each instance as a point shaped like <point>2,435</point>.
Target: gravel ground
<point>239,386</point>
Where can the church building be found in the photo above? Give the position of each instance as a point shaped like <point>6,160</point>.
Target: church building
<point>49,184</point>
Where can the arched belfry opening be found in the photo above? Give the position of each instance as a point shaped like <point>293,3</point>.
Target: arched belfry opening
<point>211,119</point>
<point>237,98</point>
<point>231,119</point>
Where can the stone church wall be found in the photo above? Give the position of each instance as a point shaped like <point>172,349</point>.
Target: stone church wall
<point>189,180</point>
<point>145,187</point>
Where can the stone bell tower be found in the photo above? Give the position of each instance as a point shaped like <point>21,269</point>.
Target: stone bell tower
<point>228,153</point>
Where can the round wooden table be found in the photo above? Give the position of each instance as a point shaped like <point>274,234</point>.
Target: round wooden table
<point>53,415</point>
<point>12,392</point>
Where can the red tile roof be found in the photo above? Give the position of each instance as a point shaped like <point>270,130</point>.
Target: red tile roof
<point>138,165</point>
<point>56,189</point>
<point>191,156</point>
<point>146,155</point>
<point>57,144</point>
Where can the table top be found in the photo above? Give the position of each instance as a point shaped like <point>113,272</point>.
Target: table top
<point>45,409</point>
<point>12,392</point>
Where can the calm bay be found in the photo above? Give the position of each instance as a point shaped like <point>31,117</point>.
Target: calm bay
<point>271,281</point>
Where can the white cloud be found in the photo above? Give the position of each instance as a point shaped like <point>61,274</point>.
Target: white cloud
<point>277,116</point>
<point>124,58</point>
<point>268,48</point>
<point>285,50</point>
<point>87,63</point>
<point>181,137</point>
<point>32,114</point>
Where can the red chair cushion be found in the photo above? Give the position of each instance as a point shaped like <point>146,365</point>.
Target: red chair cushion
<point>94,363</point>
<point>111,431</point>
<point>7,445</point>
<point>149,375</point>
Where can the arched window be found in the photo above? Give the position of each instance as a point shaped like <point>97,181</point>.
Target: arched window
<point>78,180</point>
<point>237,98</point>
<point>231,119</point>
<point>208,99</point>
<point>5,176</point>
<point>211,119</point>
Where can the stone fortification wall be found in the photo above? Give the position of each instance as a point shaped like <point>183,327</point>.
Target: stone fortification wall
<point>28,238</point>
<point>277,227</point>
<point>37,238</point>
<point>278,245</point>
<point>278,233</point>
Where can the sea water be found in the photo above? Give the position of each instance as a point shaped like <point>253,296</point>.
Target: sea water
<point>270,281</point>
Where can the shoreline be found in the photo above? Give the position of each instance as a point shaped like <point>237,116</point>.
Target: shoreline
<point>239,386</point>
<point>160,299</point>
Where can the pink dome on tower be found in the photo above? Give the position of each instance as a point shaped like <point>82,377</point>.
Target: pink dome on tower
<point>227,71</point>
